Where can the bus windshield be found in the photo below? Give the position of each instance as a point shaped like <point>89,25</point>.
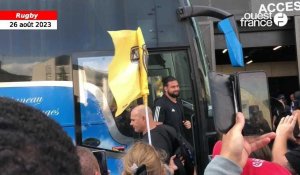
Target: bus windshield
<point>83,26</point>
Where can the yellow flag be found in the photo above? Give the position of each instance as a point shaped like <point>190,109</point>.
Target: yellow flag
<point>127,75</point>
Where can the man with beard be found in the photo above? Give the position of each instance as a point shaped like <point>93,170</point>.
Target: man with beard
<point>168,109</point>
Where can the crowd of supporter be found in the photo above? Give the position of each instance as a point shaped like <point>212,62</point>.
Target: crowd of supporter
<point>32,143</point>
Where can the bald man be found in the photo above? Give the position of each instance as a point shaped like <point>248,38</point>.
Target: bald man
<point>160,138</point>
<point>88,162</point>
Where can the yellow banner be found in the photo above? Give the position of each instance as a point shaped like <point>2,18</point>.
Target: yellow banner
<point>127,75</point>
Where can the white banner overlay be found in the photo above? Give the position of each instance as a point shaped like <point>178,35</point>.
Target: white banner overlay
<point>28,24</point>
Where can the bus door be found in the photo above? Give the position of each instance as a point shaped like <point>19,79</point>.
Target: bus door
<point>192,77</point>
<point>173,62</point>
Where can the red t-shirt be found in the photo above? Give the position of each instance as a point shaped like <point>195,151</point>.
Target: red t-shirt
<point>256,166</point>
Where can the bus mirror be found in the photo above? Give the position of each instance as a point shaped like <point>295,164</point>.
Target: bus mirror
<point>194,11</point>
<point>227,26</point>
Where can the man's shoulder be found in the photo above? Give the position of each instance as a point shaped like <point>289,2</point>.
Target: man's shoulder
<point>160,100</point>
<point>296,150</point>
<point>294,153</point>
<point>163,102</point>
<point>293,158</point>
<point>161,129</point>
<point>166,128</point>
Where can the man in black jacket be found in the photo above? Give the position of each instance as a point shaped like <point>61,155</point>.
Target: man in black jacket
<point>159,137</point>
<point>168,109</point>
<point>165,139</point>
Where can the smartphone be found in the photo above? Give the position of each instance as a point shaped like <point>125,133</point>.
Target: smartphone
<point>222,99</point>
<point>254,102</point>
<point>245,92</point>
<point>102,161</point>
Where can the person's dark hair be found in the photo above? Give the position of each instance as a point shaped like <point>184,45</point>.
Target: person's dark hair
<point>167,79</point>
<point>297,95</point>
<point>281,97</point>
<point>297,98</point>
<point>33,144</point>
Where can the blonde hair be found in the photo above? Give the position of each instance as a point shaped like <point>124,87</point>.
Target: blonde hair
<point>142,153</point>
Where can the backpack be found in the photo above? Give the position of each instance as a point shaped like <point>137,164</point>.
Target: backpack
<point>181,148</point>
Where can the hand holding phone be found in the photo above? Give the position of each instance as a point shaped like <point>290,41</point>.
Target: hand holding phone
<point>245,92</point>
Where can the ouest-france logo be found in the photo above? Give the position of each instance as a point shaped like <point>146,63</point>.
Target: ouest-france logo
<point>269,14</point>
